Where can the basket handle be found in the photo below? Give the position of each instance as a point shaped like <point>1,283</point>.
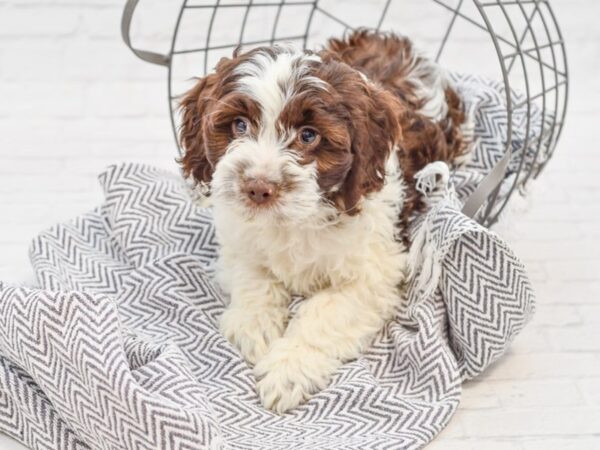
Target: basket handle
<point>151,57</point>
<point>489,183</point>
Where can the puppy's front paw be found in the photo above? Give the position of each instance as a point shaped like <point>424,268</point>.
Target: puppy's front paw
<point>253,331</point>
<point>290,373</point>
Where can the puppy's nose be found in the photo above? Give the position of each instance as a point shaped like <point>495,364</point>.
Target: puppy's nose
<point>259,190</point>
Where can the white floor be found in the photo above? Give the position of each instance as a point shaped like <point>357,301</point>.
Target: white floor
<point>77,102</point>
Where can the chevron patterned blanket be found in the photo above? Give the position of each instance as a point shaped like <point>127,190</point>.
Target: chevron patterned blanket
<point>118,347</point>
<point>485,103</point>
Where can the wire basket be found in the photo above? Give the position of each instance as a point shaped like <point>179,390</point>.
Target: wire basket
<point>524,49</point>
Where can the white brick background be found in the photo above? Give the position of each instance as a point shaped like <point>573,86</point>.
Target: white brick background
<point>73,99</point>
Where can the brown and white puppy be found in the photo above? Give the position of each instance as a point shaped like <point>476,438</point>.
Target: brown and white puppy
<point>310,160</point>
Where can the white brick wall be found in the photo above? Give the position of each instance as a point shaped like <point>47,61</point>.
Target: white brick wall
<point>73,99</point>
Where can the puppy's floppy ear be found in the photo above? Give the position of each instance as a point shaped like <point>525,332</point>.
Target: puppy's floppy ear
<point>376,131</point>
<point>192,136</point>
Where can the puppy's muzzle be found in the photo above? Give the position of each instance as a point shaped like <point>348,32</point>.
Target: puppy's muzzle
<point>260,191</point>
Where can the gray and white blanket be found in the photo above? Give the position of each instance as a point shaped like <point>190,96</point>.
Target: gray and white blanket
<point>118,347</point>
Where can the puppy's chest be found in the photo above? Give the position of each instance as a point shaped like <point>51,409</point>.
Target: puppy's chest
<point>308,262</point>
<point>306,267</point>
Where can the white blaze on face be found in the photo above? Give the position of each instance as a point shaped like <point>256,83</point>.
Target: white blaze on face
<point>271,78</point>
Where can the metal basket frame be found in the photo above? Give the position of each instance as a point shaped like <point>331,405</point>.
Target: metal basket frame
<point>542,14</point>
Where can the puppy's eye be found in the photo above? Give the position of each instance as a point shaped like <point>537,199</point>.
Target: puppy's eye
<point>308,135</point>
<point>240,126</point>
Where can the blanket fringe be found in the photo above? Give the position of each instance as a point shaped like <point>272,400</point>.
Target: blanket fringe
<point>425,255</point>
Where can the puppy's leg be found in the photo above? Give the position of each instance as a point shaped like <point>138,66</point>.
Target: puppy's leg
<point>257,314</point>
<point>332,327</point>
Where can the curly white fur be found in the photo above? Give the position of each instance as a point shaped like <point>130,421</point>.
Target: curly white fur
<point>348,268</point>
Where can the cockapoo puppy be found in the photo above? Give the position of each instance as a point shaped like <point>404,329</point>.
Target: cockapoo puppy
<point>310,161</point>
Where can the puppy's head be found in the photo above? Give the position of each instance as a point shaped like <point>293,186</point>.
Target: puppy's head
<point>280,133</point>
